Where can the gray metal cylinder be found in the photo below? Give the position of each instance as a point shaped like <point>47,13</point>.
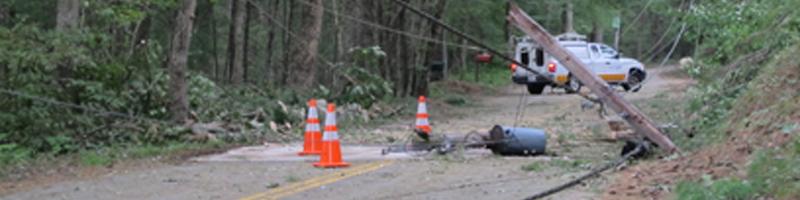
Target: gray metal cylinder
<point>517,141</point>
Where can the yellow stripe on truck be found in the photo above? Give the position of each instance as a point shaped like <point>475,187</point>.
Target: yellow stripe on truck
<point>613,77</point>
<point>561,79</point>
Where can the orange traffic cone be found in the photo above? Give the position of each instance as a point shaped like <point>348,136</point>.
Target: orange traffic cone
<point>313,137</point>
<point>422,125</point>
<point>331,151</point>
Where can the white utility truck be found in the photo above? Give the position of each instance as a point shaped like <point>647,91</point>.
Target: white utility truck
<point>601,59</point>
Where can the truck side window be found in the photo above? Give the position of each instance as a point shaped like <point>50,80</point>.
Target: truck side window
<point>608,51</point>
<point>595,51</point>
<point>525,58</point>
<point>539,57</point>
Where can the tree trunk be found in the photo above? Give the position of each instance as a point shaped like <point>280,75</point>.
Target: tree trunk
<point>68,14</point>
<point>246,47</point>
<point>67,20</point>
<point>405,53</point>
<point>141,34</point>
<point>4,14</point>
<point>287,42</point>
<point>337,32</point>
<point>268,66</point>
<point>214,45</point>
<point>568,26</point>
<point>433,53</point>
<point>463,65</point>
<point>305,55</point>
<point>444,56</point>
<point>178,56</point>
<point>597,33</point>
<point>236,43</point>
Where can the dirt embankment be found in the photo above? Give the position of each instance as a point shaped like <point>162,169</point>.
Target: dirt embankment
<point>757,121</point>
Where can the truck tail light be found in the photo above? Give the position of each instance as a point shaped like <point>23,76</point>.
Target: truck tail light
<point>551,67</point>
<point>513,67</point>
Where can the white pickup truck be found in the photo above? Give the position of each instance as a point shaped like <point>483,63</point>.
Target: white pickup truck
<point>600,58</point>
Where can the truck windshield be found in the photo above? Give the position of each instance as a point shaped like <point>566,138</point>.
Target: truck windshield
<point>579,51</point>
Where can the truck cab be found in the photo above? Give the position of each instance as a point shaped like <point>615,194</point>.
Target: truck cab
<point>601,59</point>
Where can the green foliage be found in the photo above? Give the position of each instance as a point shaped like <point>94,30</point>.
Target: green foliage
<point>533,167</point>
<point>456,100</point>
<point>12,152</point>
<point>367,87</point>
<point>712,190</point>
<point>93,158</point>
<point>733,28</point>
<point>492,75</point>
<point>566,165</point>
<point>92,68</point>
<point>773,173</point>
<point>728,33</point>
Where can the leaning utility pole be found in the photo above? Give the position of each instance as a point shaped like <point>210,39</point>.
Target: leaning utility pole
<point>640,122</point>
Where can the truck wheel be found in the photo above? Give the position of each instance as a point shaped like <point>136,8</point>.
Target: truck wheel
<point>634,83</point>
<point>536,88</point>
<point>573,86</point>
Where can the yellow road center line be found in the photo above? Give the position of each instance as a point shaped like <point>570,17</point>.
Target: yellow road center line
<point>318,181</point>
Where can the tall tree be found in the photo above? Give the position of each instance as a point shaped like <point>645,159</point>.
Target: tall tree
<point>246,47</point>
<point>433,53</point>
<point>236,43</point>
<point>288,14</point>
<point>269,71</point>
<point>305,53</point>
<point>4,13</point>
<point>568,18</point>
<point>597,32</point>
<point>68,14</point>
<point>178,56</point>
<point>67,20</point>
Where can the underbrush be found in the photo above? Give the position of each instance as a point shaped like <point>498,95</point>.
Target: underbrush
<point>763,113</point>
<point>772,173</point>
<point>491,75</point>
<point>62,97</point>
<point>108,156</point>
<point>461,86</point>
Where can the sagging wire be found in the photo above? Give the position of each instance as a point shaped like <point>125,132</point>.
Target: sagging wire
<point>388,29</point>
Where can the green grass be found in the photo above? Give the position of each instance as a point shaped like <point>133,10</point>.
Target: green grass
<point>491,75</point>
<point>95,158</point>
<point>722,189</point>
<point>757,108</point>
<point>565,165</point>
<point>533,167</point>
<point>108,155</point>
<point>105,156</point>
<point>291,178</point>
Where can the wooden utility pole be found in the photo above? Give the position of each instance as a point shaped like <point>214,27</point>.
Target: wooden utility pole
<point>640,122</point>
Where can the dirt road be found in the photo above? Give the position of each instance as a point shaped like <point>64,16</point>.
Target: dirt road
<point>574,143</point>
